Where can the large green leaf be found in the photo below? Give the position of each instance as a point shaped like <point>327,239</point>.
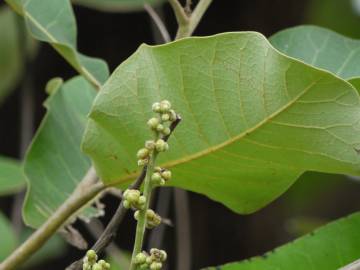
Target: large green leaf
<point>10,62</point>
<point>54,164</point>
<point>117,5</point>
<point>322,48</point>
<point>11,176</point>
<point>53,21</point>
<point>328,248</point>
<point>254,119</point>
<point>8,238</point>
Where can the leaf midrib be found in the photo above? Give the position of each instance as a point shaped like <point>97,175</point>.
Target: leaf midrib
<point>225,143</point>
<point>83,69</point>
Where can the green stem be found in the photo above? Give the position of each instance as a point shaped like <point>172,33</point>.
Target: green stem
<point>141,224</point>
<point>85,192</point>
<point>187,25</point>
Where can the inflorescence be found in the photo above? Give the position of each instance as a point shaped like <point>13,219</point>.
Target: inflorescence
<point>160,125</point>
<point>91,263</point>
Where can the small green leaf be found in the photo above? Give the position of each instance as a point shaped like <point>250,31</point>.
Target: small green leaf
<point>253,119</point>
<point>8,238</point>
<point>10,57</point>
<point>321,48</point>
<point>12,179</point>
<point>328,248</point>
<point>53,21</point>
<point>54,164</point>
<point>117,5</point>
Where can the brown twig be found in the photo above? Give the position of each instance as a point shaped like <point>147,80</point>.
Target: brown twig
<point>111,229</point>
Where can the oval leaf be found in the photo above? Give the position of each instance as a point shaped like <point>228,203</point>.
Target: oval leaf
<point>53,21</point>
<point>254,119</point>
<point>54,164</point>
<point>10,62</point>
<point>8,238</point>
<point>321,48</point>
<point>328,248</point>
<point>11,176</point>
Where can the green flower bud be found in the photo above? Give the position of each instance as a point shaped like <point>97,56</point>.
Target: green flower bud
<point>150,145</point>
<point>159,128</point>
<point>163,255</point>
<point>166,131</point>
<point>97,266</point>
<point>161,145</point>
<point>165,117</point>
<point>153,122</point>
<point>143,162</point>
<point>86,266</point>
<point>155,266</point>
<point>132,195</point>
<point>103,264</point>
<point>144,266</point>
<point>165,106</point>
<point>150,213</point>
<point>172,115</point>
<point>162,182</point>
<point>166,175</point>
<point>156,178</point>
<point>149,260</point>
<point>152,219</point>
<point>157,169</point>
<point>156,107</point>
<point>140,258</point>
<point>91,256</point>
<point>127,204</point>
<point>143,153</point>
<point>142,200</point>
<point>136,214</point>
<point>107,266</point>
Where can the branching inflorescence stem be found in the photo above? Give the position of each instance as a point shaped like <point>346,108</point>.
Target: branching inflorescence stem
<point>188,23</point>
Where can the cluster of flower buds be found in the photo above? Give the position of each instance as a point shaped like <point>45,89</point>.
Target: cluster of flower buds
<point>152,219</point>
<point>154,261</point>
<point>133,199</point>
<point>160,176</point>
<point>90,262</point>
<point>159,126</point>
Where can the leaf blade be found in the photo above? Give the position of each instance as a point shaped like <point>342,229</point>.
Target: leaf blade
<point>54,23</point>
<point>11,176</point>
<point>238,97</point>
<point>54,164</point>
<point>9,240</point>
<point>321,48</point>
<point>10,62</point>
<point>329,247</point>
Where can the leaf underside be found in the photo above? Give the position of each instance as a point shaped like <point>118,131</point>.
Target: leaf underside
<point>8,237</point>
<point>54,164</point>
<point>321,48</point>
<point>253,119</point>
<point>11,176</point>
<point>328,248</point>
<point>10,60</point>
<point>53,21</point>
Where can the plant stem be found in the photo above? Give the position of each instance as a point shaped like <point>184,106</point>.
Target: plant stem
<point>187,24</point>
<point>85,192</point>
<point>141,224</point>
